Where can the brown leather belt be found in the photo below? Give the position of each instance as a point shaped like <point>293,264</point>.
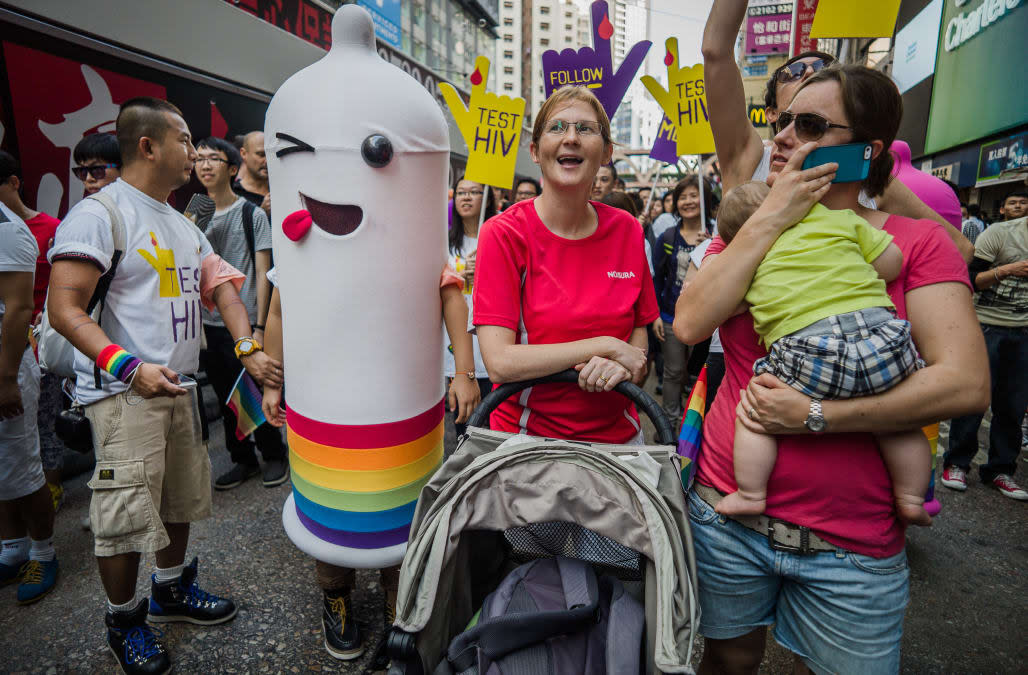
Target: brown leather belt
<point>781,534</point>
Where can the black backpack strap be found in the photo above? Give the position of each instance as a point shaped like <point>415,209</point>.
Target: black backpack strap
<point>500,636</point>
<point>248,231</point>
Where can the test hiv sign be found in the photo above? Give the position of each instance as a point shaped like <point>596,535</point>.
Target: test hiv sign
<point>490,126</point>
<point>684,103</point>
<point>593,67</point>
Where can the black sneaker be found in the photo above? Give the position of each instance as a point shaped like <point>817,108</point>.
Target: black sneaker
<point>235,476</point>
<point>182,600</point>
<point>135,644</point>
<point>275,472</point>
<point>343,638</point>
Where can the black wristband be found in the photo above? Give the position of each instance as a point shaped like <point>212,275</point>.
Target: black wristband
<point>258,327</point>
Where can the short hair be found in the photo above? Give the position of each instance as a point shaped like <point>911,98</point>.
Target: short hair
<point>9,166</point>
<point>771,90</point>
<point>238,140</point>
<point>221,145</point>
<point>567,94</point>
<point>974,210</point>
<point>142,117</point>
<point>620,200</point>
<point>613,173</point>
<point>710,200</point>
<point>738,205</point>
<point>874,107</point>
<point>97,146</point>
<point>534,182</point>
<point>1020,192</point>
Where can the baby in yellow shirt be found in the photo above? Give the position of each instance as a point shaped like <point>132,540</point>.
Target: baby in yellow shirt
<point>819,305</point>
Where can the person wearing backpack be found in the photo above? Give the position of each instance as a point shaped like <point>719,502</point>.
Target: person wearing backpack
<point>238,232</point>
<point>133,367</point>
<point>26,508</point>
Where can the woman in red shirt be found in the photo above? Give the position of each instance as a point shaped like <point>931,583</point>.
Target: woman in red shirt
<point>829,568</point>
<point>562,282</point>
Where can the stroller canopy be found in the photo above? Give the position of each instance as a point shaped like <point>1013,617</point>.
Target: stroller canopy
<point>631,495</point>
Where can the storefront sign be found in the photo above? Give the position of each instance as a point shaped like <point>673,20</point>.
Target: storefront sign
<point>803,21</point>
<point>1000,159</point>
<point>768,27</point>
<point>757,115</point>
<point>963,27</point>
<point>984,63</point>
<point>945,172</point>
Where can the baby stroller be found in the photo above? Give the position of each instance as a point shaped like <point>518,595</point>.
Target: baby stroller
<point>502,500</point>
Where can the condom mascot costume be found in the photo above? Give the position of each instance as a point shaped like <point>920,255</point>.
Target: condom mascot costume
<point>358,160</point>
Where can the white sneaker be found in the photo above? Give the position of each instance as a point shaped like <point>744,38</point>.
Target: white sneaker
<point>1008,488</point>
<point>954,478</point>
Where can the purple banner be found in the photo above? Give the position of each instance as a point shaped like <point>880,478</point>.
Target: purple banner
<point>593,67</point>
<point>665,146</point>
<point>768,34</point>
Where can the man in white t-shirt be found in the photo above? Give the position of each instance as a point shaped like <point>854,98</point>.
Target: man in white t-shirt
<point>26,508</point>
<point>152,475</point>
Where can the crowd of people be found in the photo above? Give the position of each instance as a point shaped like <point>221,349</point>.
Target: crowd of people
<point>831,361</point>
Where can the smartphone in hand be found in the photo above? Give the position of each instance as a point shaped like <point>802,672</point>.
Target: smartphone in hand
<point>854,160</point>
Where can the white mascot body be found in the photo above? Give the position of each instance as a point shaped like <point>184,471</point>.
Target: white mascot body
<point>358,160</point>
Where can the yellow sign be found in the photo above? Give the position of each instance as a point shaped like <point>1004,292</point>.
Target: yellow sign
<point>490,125</point>
<point>849,19</point>
<point>684,102</point>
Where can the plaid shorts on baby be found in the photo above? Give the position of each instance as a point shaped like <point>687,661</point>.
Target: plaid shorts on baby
<point>855,354</point>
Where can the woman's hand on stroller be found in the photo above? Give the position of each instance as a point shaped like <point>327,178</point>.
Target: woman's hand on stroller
<point>601,374</point>
<point>463,397</point>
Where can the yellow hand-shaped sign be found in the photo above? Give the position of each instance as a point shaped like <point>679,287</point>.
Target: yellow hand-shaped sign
<point>684,102</point>
<point>490,125</point>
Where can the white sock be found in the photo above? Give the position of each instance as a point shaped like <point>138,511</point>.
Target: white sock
<point>15,551</point>
<point>168,573</point>
<point>42,550</point>
<point>127,607</point>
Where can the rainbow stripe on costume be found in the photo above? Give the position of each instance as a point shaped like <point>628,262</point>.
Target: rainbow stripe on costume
<point>357,485</point>
<point>690,438</point>
<point>245,401</point>
<point>118,362</point>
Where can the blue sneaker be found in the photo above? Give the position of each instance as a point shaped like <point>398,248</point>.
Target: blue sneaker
<point>10,573</point>
<point>38,578</point>
<point>183,600</point>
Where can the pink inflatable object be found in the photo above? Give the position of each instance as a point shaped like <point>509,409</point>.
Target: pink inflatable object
<point>929,189</point>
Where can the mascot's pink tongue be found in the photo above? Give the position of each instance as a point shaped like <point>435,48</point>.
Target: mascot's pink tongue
<point>297,224</point>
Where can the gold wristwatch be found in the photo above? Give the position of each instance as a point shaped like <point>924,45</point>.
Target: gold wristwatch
<point>246,346</point>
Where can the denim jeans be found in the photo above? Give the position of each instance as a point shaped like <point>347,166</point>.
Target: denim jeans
<point>1008,365</point>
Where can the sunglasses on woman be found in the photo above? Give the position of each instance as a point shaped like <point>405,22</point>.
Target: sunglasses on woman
<point>794,71</point>
<point>809,126</point>
<point>97,171</point>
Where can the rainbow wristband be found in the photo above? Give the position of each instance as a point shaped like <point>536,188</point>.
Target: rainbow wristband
<point>118,362</point>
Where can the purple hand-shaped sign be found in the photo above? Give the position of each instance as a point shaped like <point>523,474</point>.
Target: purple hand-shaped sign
<point>665,145</point>
<point>592,67</point>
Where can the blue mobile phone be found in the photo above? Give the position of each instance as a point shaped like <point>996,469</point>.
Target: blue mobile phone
<point>854,160</point>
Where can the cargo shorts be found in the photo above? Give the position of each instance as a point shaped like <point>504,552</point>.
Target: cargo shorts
<point>152,468</point>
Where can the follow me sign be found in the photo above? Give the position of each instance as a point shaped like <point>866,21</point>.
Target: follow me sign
<point>590,77</point>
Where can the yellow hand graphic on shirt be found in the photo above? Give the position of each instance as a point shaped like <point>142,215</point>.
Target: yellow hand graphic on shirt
<point>164,264</point>
<point>490,125</point>
<point>684,102</point>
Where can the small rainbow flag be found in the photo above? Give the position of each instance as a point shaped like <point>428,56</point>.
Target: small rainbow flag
<point>690,437</point>
<point>245,401</point>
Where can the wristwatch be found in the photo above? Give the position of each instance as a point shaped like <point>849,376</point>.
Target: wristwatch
<point>245,346</point>
<point>815,419</point>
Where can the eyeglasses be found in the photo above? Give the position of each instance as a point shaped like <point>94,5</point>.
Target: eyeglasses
<point>211,160</point>
<point>809,126</point>
<point>794,71</point>
<point>582,127</point>
<point>468,193</point>
<point>97,171</point>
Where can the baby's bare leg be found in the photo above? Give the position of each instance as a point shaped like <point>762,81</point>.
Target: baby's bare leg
<point>908,458</point>
<point>754,458</point>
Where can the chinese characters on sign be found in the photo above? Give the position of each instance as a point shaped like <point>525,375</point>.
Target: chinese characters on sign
<point>805,10</point>
<point>768,27</point>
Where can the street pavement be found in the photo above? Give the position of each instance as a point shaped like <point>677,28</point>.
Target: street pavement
<point>967,612</point>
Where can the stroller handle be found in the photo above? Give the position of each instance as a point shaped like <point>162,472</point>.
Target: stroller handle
<point>642,400</point>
